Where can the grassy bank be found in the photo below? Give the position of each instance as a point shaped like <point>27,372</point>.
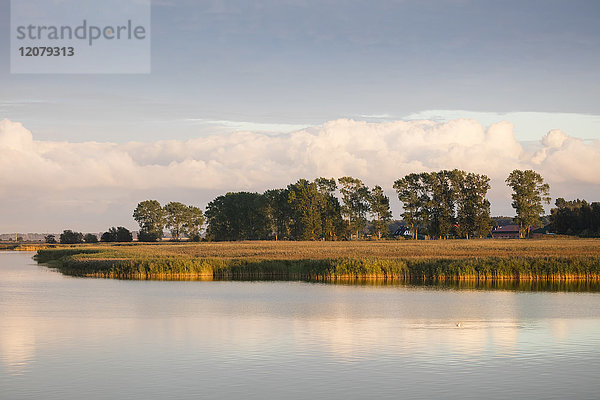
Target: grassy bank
<point>23,246</point>
<point>558,259</point>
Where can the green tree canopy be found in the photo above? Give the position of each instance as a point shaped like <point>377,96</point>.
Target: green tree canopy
<point>576,217</point>
<point>326,185</point>
<point>412,192</point>
<point>446,202</point>
<point>355,198</point>
<point>237,216</point>
<point>193,223</point>
<point>90,238</point>
<point>473,209</point>
<point>124,234</point>
<point>120,234</point>
<point>145,236</point>
<point>278,212</point>
<point>70,237</point>
<point>50,239</point>
<point>441,204</point>
<point>380,209</point>
<point>332,224</point>
<point>176,215</point>
<point>151,218</point>
<point>110,235</point>
<point>529,194</point>
<point>305,205</point>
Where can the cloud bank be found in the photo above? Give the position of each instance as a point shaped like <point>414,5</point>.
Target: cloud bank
<point>96,174</point>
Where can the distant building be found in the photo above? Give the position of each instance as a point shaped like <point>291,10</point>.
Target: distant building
<point>506,232</point>
<point>403,231</point>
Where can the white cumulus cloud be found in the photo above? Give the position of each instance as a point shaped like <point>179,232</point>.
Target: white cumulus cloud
<point>378,152</point>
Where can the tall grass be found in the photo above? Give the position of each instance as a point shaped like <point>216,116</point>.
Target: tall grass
<point>408,261</point>
<point>23,246</point>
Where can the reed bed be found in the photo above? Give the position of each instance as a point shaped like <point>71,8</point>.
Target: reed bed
<point>494,260</point>
<point>23,246</point>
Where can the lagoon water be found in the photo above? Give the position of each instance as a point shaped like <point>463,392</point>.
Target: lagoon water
<point>73,338</point>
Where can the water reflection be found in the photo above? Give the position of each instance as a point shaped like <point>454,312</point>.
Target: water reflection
<point>523,286</point>
<point>62,336</point>
<point>467,284</point>
<point>17,343</point>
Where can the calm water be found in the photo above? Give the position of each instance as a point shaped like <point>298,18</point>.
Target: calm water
<point>69,338</point>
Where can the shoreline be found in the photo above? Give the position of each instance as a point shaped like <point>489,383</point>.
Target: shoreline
<point>121,262</point>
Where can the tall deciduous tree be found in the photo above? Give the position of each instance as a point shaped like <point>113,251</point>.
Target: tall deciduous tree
<point>576,217</point>
<point>151,218</point>
<point>305,206</point>
<point>90,238</point>
<point>380,209</point>
<point>70,237</point>
<point>355,197</point>
<point>326,185</point>
<point>472,207</point>
<point>120,234</point>
<point>194,219</point>
<point>331,218</point>
<point>124,234</point>
<point>412,192</point>
<point>278,212</point>
<point>176,215</point>
<point>529,194</point>
<point>237,216</point>
<point>441,202</point>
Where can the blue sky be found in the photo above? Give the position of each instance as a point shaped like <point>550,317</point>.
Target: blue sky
<point>281,66</point>
<point>307,62</point>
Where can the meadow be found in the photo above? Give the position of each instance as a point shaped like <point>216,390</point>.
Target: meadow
<point>486,259</point>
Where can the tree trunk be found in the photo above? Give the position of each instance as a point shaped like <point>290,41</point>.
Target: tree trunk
<point>520,231</point>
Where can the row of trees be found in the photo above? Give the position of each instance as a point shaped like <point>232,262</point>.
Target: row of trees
<point>442,204</point>
<point>180,219</point>
<point>577,217</point>
<point>446,203</point>
<point>68,236</point>
<point>304,210</point>
<point>119,234</point>
<point>454,202</point>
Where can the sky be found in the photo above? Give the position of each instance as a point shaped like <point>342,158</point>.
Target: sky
<point>253,95</point>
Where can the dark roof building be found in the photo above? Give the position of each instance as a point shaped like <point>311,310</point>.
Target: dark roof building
<point>506,232</point>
